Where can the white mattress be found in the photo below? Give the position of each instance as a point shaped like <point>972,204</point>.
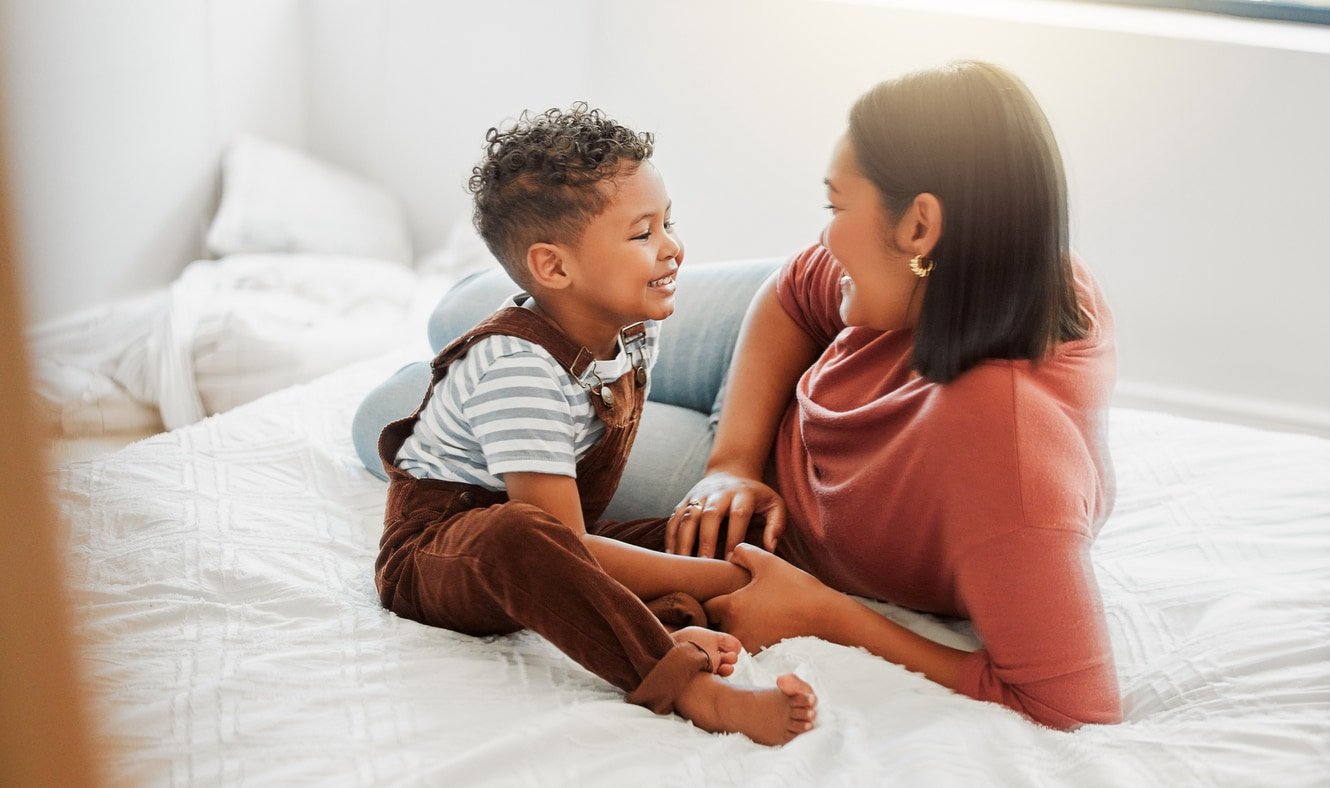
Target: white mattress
<point>224,579</point>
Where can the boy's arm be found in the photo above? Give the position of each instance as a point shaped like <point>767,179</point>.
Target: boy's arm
<point>647,573</point>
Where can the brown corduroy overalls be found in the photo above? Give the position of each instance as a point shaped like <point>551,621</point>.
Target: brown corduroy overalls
<point>461,557</point>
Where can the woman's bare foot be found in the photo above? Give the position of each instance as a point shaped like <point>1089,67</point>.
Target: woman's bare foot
<point>722,649</point>
<point>767,716</point>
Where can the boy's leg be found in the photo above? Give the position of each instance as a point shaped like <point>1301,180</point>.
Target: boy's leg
<point>513,566</point>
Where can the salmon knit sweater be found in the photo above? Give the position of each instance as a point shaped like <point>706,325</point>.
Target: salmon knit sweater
<point>978,498</point>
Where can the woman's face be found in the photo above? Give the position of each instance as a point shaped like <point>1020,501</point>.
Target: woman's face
<point>879,288</point>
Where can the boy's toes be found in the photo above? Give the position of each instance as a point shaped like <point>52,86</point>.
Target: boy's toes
<point>729,643</point>
<point>793,686</point>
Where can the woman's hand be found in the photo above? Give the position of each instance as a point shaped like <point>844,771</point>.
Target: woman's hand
<point>716,497</point>
<point>781,601</point>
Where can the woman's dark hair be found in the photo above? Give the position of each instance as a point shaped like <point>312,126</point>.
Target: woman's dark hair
<point>972,135</point>
<point>537,182</point>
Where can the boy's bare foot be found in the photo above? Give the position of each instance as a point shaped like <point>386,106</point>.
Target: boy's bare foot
<point>722,649</point>
<point>767,716</point>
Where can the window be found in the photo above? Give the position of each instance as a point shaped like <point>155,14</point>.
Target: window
<point>1313,11</point>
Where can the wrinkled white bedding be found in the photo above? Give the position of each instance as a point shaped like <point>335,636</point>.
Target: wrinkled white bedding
<point>224,333</point>
<point>224,578</point>
<point>74,368</point>
<point>248,325</point>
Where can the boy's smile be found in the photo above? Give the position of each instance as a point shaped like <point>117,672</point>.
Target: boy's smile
<point>663,282</point>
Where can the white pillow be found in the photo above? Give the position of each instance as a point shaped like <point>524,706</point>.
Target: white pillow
<point>273,321</point>
<point>278,199</point>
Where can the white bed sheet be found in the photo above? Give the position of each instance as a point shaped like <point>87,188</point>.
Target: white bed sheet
<point>223,578</point>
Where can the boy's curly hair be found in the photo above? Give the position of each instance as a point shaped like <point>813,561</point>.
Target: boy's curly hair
<point>537,182</point>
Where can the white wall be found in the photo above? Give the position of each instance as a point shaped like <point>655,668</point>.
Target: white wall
<point>115,116</point>
<point>1199,169</point>
<point>403,90</point>
<point>1195,145</point>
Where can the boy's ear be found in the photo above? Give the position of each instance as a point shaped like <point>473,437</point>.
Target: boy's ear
<point>546,264</point>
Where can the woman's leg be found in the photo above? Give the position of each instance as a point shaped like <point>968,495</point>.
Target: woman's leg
<point>393,399</point>
<point>469,302</point>
<point>472,300</point>
<point>696,343</point>
<point>678,424</point>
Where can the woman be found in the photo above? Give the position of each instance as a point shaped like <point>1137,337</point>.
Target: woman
<point>914,405</point>
<point>948,360</point>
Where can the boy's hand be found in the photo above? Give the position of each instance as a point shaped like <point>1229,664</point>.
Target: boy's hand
<point>712,500</point>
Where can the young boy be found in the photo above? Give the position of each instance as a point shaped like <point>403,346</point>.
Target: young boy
<point>522,436</point>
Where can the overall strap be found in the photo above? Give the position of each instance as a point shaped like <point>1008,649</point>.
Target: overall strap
<point>520,322</point>
<point>513,321</point>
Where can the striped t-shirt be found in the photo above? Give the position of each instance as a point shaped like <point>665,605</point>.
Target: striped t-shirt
<point>508,406</point>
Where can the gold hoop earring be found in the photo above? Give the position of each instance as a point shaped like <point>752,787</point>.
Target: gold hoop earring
<point>921,266</point>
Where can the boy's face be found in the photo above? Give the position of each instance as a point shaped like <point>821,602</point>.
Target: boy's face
<point>622,271</point>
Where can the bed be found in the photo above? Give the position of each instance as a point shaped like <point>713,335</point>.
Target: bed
<point>310,268</point>
<point>224,586</point>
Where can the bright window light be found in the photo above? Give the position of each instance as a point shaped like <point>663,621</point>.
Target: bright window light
<point>1311,11</point>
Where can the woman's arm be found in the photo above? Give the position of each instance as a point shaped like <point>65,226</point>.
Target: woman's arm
<point>647,573</point>
<point>771,353</point>
<point>784,601</point>
<point>1033,603</point>
<point>850,623</point>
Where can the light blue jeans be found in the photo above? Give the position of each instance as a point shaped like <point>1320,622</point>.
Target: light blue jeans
<point>679,421</point>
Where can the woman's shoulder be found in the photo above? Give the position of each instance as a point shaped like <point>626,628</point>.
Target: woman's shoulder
<point>808,289</point>
<point>808,268</point>
<point>1094,310</point>
<point>1076,374</point>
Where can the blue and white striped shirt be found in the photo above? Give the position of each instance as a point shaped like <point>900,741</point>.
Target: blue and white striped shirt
<point>507,406</point>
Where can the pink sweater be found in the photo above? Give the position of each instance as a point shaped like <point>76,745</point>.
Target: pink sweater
<point>978,499</point>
